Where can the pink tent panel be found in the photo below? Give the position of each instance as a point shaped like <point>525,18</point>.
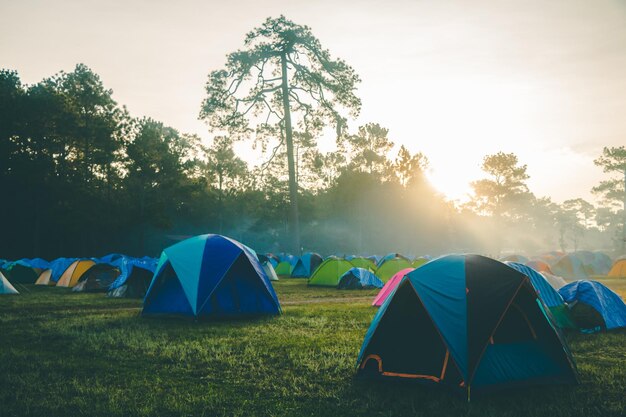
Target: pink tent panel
<point>390,286</point>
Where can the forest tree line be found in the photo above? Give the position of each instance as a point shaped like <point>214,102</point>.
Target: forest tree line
<point>80,176</point>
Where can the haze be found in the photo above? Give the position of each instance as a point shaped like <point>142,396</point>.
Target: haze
<point>454,79</point>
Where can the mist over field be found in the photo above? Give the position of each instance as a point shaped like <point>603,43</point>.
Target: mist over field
<point>443,130</point>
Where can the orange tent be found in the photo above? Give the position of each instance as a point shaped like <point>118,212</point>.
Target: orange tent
<point>539,266</point>
<point>73,273</point>
<point>44,278</point>
<point>618,270</point>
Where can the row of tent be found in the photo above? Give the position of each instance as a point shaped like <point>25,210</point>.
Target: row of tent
<point>464,322</point>
<point>585,305</point>
<point>116,274</point>
<point>555,265</point>
<point>212,276</point>
<point>207,276</point>
<point>600,308</point>
<point>574,265</point>
<point>373,271</point>
<point>460,321</point>
<point>287,265</point>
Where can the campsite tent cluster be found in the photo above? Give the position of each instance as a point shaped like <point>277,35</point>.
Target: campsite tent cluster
<point>343,272</point>
<point>386,273</point>
<point>117,275</point>
<point>467,323</point>
<point>205,276</point>
<point>585,310</point>
<point>571,266</point>
<point>458,321</point>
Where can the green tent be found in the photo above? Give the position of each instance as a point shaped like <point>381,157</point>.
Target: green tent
<point>284,268</point>
<point>417,262</point>
<point>365,263</point>
<point>286,265</point>
<point>329,272</point>
<point>390,267</point>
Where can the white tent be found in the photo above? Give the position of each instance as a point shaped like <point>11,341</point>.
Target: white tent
<point>554,280</point>
<point>6,287</point>
<point>269,270</point>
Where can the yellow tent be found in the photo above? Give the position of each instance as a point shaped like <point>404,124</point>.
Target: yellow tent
<point>73,273</point>
<point>619,268</point>
<point>44,278</point>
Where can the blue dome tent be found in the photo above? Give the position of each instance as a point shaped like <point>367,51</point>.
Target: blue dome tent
<point>468,323</point>
<point>306,265</point>
<point>210,276</point>
<point>359,278</point>
<point>389,257</point>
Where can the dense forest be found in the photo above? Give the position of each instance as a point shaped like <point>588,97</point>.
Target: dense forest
<point>81,177</point>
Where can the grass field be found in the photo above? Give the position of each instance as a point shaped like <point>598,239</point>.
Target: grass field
<point>68,354</point>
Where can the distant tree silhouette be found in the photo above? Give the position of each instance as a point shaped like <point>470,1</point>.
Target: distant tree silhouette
<point>613,161</point>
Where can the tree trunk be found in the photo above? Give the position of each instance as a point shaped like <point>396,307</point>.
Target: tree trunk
<point>220,204</point>
<point>624,217</point>
<point>37,231</point>
<point>142,221</point>
<point>294,226</point>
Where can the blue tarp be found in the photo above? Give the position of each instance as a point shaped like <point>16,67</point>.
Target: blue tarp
<point>109,259</point>
<point>35,263</point>
<point>28,263</point>
<point>598,296</point>
<point>126,264</point>
<point>210,276</point>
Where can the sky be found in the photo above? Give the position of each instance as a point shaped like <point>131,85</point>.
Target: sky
<point>456,80</point>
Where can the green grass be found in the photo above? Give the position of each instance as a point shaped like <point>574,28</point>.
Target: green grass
<point>67,354</point>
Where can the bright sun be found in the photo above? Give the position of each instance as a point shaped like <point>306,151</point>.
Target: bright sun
<point>459,121</point>
<point>451,186</point>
